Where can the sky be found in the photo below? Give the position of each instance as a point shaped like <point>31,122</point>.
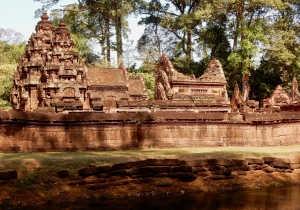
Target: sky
<point>19,16</point>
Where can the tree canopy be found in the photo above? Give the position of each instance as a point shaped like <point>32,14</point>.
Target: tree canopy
<point>250,37</point>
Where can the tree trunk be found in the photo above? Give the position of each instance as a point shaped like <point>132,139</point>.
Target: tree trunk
<point>189,51</point>
<point>107,37</point>
<point>119,38</point>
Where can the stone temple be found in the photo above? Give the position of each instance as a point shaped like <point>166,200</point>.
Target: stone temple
<point>51,76</point>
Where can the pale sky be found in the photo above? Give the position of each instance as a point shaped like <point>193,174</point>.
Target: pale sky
<point>19,16</point>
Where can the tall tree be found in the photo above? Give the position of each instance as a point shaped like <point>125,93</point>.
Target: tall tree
<point>110,12</point>
<point>11,50</point>
<point>178,17</point>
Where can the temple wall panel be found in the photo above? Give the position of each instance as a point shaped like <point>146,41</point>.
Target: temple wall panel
<point>105,136</point>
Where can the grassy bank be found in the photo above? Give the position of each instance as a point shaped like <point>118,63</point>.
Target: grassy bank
<point>38,178</point>
<point>43,165</point>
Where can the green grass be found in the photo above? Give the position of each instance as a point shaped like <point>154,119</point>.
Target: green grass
<point>36,169</point>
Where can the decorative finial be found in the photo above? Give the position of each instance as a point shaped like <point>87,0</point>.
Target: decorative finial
<point>44,16</point>
<point>62,23</point>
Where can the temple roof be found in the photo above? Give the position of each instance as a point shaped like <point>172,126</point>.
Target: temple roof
<point>213,73</point>
<point>107,77</point>
<point>136,86</point>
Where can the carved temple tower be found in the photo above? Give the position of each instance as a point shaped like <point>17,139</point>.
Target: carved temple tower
<point>50,73</point>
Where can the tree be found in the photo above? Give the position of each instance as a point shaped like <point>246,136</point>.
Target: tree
<point>178,17</point>
<point>11,50</point>
<point>81,43</point>
<point>155,41</point>
<point>107,11</point>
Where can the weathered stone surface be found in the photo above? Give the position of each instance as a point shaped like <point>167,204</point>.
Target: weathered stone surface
<point>117,178</point>
<point>269,169</point>
<point>220,177</point>
<point>142,180</point>
<point>210,162</point>
<point>239,168</point>
<point>8,174</point>
<point>186,176</point>
<point>94,179</point>
<point>215,168</point>
<point>97,186</point>
<point>198,169</point>
<point>85,172</point>
<point>221,172</point>
<point>77,183</point>
<point>103,169</point>
<point>146,175</point>
<point>182,169</point>
<point>255,161</point>
<point>163,182</point>
<point>163,162</point>
<point>123,172</point>
<point>192,163</point>
<point>269,160</point>
<point>63,173</point>
<point>127,165</point>
<point>295,165</point>
<point>122,182</point>
<point>282,163</point>
<point>239,173</point>
<point>166,174</point>
<point>204,174</point>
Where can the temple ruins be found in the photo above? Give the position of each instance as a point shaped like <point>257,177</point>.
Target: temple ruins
<point>51,76</point>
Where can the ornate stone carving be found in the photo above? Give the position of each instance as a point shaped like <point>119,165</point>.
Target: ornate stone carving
<point>210,88</point>
<point>48,60</point>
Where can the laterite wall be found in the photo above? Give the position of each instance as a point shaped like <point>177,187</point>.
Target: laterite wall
<point>27,131</point>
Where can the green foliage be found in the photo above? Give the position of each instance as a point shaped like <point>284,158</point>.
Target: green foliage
<point>149,79</point>
<point>11,53</point>
<point>6,82</point>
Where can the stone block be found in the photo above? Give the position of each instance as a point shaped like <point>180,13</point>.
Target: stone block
<point>198,169</point>
<point>295,165</point>
<point>255,161</point>
<point>146,175</point>
<point>166,174</point>
<point>103,169</point>
<point>215,168</point>
<point>204,174</point>
<point>186,176</point>
<point>85,172</point>
<point>221,172</point>
<point>269,160</point>
<point>210,162</point>
<point>282,163</point>
<point>163,162</point>
<point>269,169</point>
<point>163,182</point>
<point>142,170</point>
<point>182,169</point>
<point>8,174</point>
<point>122,172</point>
<point>193,163</point>
<point>117,178</point>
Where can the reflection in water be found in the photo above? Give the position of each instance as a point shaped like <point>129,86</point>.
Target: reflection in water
<point>278,198</point>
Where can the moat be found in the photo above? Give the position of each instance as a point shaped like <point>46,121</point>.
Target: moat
<point>267,198</point>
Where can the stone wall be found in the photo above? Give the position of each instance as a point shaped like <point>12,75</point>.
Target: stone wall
<point>28,131</point>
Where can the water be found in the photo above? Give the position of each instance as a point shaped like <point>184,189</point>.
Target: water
<point>275,198</point>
